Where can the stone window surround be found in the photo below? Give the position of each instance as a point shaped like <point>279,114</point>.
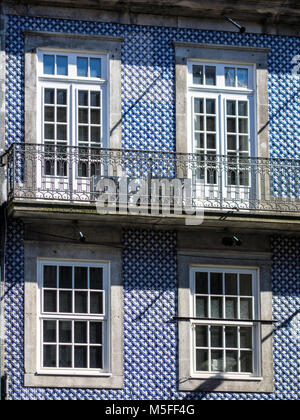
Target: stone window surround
<point>69,42</point>
<point>229,54</point>
<point>259,261</point>
<point>35,250</point>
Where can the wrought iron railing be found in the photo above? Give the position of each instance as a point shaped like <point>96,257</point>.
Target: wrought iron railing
<point>70,174</point>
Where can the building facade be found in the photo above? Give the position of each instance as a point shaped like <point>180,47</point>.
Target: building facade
<point>136,304</point>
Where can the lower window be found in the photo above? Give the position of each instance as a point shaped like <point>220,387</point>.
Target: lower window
<point>225,334</point>
<point>73,317</point>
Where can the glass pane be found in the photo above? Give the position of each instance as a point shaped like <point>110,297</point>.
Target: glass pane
<point>216,283</point>
<point>49,132</point>
<point>201,307</point>
<point>217,361</point>
<point>49,354</point>
<point>82,66</point>
<point>197,75</point>
<point>81,278</point>
<point>210,75</point>
<point>80,332</point>
<point>231,284</point>
<point>96,303</point>
<point>243,109</point>
<point>95,134</point>
<point>232,364</point>
<point>198,106</point>
<point>244,143</point>
<point>217,308</point>
<point>65,356</point>
<point>199,123</point>
<point>96,357</point>
<point>202,360</point>
<point>50,276</point>
<point>231,308</point>
<point>231,334</point>
<point>231,125</point>
<point>243,125</point>
<point>216,336</point>
<point>61,132</point>
<point>199,140</point>
<point>96,332</point>
<point>48,62</point>
<point>65,302</point>
<point>95,67</point>
<point>61,115</point>
<point>49,113</point>
<point>62,65</point>
<point>80,357</point>
<point>81,305</point>
<point>242,77</point>
<point>230,76</point>
<point>83,97</point>
<point>65,277</point>
<point>83,133</point>
<point>61,97</point>
<point>210,106</point>
<point>83,116</point>
<point>246,338</point>
<point>201,336</point>
<point>231,107</point>
<point>210,124</point>
<point>95,99</point>
<point>50,301</point>
<point>246,361</point>
<point>95,116</point>
<point>246,285</point>
<point>65,331</point>
<point>49,331</point>
<point>246,308</point>
<point>96,278</point>
<point>231,142</point>
<point>49,96</point>
<point>211,141</point>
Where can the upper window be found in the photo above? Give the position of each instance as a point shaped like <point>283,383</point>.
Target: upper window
<point>222,121</point>
<point>223,312</point>
<point>73,103</point>
<point>73,317</point>
<point>75,65</point>
<point>228,76</point>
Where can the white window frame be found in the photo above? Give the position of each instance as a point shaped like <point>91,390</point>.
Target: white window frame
<point>104,318</point>
<point>73,83</point>
<point>222,92</point>
<point>257,373</point>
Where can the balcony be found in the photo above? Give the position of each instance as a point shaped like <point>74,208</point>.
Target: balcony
<point>66,178</point>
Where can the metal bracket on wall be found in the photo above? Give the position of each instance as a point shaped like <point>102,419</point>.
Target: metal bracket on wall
<point>261,321</point>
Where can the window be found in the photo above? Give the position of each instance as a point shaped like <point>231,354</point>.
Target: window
<point>222,72</point>
<point>224,308</point>
<point>224,316</point>
<point>72,93</point>
<point>222,122</point>
<point>73,318</point>
<point>74,313</point>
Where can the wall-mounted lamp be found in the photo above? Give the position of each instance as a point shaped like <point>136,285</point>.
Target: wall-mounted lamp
<point>242,29</point>
<point>232,240</point>
<point>81,236</point>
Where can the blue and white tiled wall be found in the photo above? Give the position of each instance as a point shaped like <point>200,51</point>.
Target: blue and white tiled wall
<point>149,259</point>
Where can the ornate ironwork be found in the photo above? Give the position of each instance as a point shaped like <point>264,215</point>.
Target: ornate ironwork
<point>61,173</point>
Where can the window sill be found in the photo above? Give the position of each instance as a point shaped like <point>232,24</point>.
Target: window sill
<point>74,373</point>
<point>58,380</point>
<point>227,377</point>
